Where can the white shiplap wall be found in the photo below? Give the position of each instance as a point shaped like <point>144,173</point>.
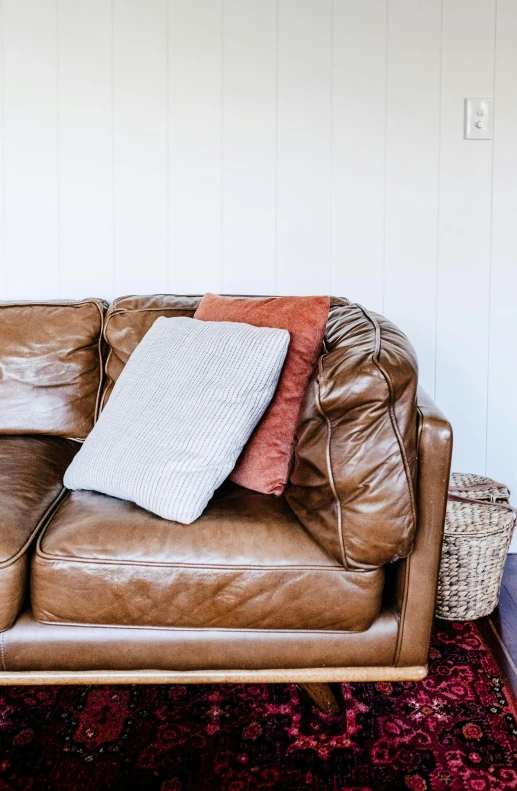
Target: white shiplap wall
<point>276,146</point>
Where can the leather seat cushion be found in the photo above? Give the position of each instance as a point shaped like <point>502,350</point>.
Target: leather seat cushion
<point>246,563</point>
<point>31,475</point>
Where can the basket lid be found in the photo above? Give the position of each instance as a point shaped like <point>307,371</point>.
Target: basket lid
<point>480,520</point>
<point>477,487</point>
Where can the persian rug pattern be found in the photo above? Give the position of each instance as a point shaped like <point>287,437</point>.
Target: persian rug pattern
<point>456,730</point>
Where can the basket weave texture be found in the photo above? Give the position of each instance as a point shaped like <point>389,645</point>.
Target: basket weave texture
<point>478,530</point>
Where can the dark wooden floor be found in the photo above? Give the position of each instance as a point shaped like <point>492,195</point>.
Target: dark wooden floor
<point>500,628</point>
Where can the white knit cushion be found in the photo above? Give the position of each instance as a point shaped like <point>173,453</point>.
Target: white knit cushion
<point>180,413</point>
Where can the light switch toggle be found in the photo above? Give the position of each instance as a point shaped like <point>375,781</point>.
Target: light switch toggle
<point>478,119</point>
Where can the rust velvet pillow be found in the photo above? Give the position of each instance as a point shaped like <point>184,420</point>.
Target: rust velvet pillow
<point>265,463</point>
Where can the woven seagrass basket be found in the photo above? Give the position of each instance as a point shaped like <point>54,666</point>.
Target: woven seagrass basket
<point>478,531</point>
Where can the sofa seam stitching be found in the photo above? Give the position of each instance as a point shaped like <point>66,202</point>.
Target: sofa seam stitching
<point>402,618</point>
<point>407,561</point>
<point>2,652</point>
<point>328,460</point>
<point>64,494</point>
<point>393,417</point>
<point>162,294</point>
<point>218,567</point>
<point>65,303</point>
<point>107,378</point>
<point>47,514</point>
<point>100,387</point>
<point>258,630</point>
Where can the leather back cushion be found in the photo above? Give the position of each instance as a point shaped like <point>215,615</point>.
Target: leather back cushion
<point>352,484</point>
<point>128,320</point>
<point>50,367</point>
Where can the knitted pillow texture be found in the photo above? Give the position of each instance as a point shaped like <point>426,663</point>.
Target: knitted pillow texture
<point>266,460</point>
<point>180,413</point>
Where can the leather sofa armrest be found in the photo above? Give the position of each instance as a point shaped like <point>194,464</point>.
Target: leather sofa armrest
<point>352,485</point>
<point>416,576</point>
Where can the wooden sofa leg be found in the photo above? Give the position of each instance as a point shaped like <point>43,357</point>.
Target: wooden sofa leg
<point>322,696</point>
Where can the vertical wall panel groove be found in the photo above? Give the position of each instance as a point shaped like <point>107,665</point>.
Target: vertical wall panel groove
<point>113,190</point>
<point>331,139</point>
<point>465,219</point>
<point>385,132</point>
<point>249,143</point>
<point>277,81</point>
<point>501,458</point>
<point>304,127</point>
<point>3,229</point>
<point>29,138</point>
<point>85,148</point>
<point>412,153</point>
<point>167,144</point>
<point>140,150</point>
<point>58,176</point>
<point>438,214</point>
<point>195,87</point>
<point>221,140</point>
<point>359,150</point>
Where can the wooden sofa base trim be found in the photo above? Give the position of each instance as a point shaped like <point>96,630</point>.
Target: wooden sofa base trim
<point>321,675</point>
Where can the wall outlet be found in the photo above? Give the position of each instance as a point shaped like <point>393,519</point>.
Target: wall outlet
<point>479,116</point>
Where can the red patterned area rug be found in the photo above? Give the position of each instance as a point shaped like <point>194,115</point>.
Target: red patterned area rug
<point>456,730</point>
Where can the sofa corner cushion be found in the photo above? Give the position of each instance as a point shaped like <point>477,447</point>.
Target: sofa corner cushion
<point>352,485</point>
<point>246,563</point>
<point>31,474</point>
<point>51,365</point>
<point>127,321</point>
<point>187,401</point>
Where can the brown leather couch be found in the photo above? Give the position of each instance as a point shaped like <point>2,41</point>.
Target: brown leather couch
<point>335,581</point>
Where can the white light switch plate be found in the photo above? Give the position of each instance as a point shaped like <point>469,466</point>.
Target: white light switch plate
<point>479,116</point>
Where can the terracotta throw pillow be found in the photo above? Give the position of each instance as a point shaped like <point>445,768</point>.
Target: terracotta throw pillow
<point>265,463</point>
